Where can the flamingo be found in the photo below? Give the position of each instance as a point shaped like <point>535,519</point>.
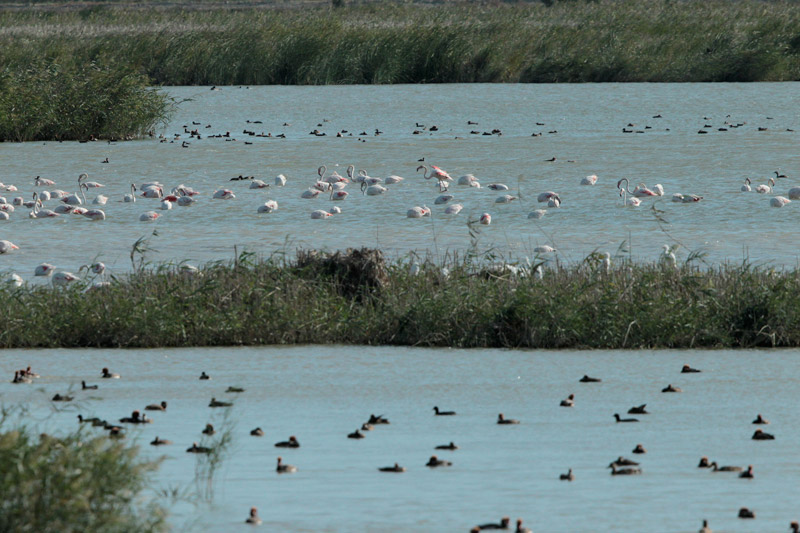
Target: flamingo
<point>268,207</point>
<point>418,212</point>
<point>153,192</point>
<point>393,179</point>
<point>63,278</point>
<point>185,201</point>
<point>641,190</point>
<point>746,186</point>
<point>555,201</point>
<point>794,193</point>
<point>544,249</point>
<point>507,198</point>
<point>589,180</point>
<point>39,181</point>
<point>166,205</point>
<point>182,190</point>
<point>78,210</point>
<point>764,189</point>
<point>40,213</point>
<point>485,219</point>
<point>45,269</point>
<point>223,194</point>
<point>310,193</point>
<point>131,197</point>
<point>686,198</point>
<point>280,180</point>
<point>498,186</point>
<point>338,195</point>
<point>441,176</point>
<point>89,184</point>
<point>15,280</point>
<point>632,201</point>
<point>537,213</point>
<point>258,184</point>
<point>605,264</point>
<point>443,199</point>
<point>779,201</point>
<point>64,209</point>
<point>4,215</point>
<point>149,216</point>
<point>453,209</point>
<point>44,196</point>
<point>7,246</point>
<point>373,190</point>
<point>545,196</point>
<point>57,194</point>
<point>467,179</point>
<point>667,258</point>
<point>100,199</point>
<point>94,214</point>
<point>320,213</point>
<point>8,208</point>
<point>335,210</point>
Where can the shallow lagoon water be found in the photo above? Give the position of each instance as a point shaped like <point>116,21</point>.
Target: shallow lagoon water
<point>587,121</point>
<point>322,393</point>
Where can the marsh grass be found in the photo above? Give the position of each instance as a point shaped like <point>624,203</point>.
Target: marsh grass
<point>276,301</point>
<point>392,42</point>
<point>72,483</point>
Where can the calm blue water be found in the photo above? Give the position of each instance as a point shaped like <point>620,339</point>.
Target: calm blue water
<point>322,393</point>
<point>588,119</point>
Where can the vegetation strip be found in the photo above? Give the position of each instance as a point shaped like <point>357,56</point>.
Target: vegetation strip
<point>379,43</point>
<point>356,297</point>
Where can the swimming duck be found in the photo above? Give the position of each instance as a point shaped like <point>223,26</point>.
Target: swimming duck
<point>115,432</point>
<point>30,373</point>
<point>587,379</point>
<point>135,418</point>
<point>234,389</point>
<point>747,474</point>
<point>109,375</point>
<point>450,446</point>
<point>355,435</point>
<point>284,469</point>
<point>502,420</point>
<point>60,398</point>
<point>744,512</point>
<point>622,461</point>
<point>629,471</point>
<point>639,449</point>
<point>159,442</point>
<point>194,448</point>
<point>760,420</point>
<point>761,435</point>
<point>253,518</point>
<point>209,430</point>
<point>204,376</point>
<point>569,402</point>
<point>521,529</point>
<point>377,419</point>
<point>705,528</point>
<point>157,406</point>
<point>21,378</point>
<point>84,386</point>
<point>689,370</point>
<point>94,420</point>
<point>258,432</point>
<point>216,403</point>
<point>443,413</point>
<point>670,388</point>
<point>567,477</point>
<point>502,525</point>
<point>395,468</point>
<point>291,443</point>
<point>618,419</point>
<point>703,462</point>
<point>795,527</point>
<point>367,427</point>
<point>716,468</point>
<point>433,462</point>
<point>638,410</point>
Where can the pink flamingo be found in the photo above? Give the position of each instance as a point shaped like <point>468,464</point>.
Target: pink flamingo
<point>441,176</point>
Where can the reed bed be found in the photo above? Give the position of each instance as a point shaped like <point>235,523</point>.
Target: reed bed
<point>73,483</point>
<point>380,43</point>
<point>361,299</point>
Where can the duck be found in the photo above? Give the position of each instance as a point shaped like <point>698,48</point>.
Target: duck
<point>59,398</point>
<point>157,406</point>
<point>135,418</point>
<point>30,373</point>
<point>115,432</point>
<point>639,449</point>
<point>291,443</point>
<point>520,528</point>
<point>671,388</point>
<point>715,468</point>
<point>569,402</point>
<point>209,430</point>
<point>762,435</point>
<point>629,471</point>
<point>618,419</point>
<point>377,419</point>
<point>258,432</point>
<point>451,446</point>
<point>195,448</point>
<point>217,403</point>
<point>94,420</point>
<point>703,462</point>
<point>760,420</point>
<point>84,386</point>
<point>638,410</point>
<point>747,474</point>
<point>284,469</point>
<point>502,420</point>
<point>434,461</point>
<point>367,427</point>
<point>623,461</point>
<point>794,526</point>
<point>395,468</point>
<point>109,375</point>
<point>205,376</point>
<point>355,435</point>
<point>705,528</point>
<point>253,518</point>
<point>587,379</point>
<point>567,477</point>
<point>159,442</point>
<point>234,389</point>
<point>21,378</point>
<point>503,524</point>
<point>744,512</point>
<point>689,370</point>
<point>437,412</point>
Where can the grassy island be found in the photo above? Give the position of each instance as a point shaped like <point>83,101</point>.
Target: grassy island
<point>358,298</point>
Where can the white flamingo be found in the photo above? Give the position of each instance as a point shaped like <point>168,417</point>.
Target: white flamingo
<point>4,215</point>
<point>443,199</point>
<point>589,180</point>
<point>62,279</point>
<point>746,185</point>
<point>485,219</point>
<point>268,207</point>
<point>130,197</point>
<point>641,190</point>
<point>39,181</point>
<point>45,269</point>
<point>149,216</point>
<point>57,194</point>
<point>280,180</point>
<point>667,258</point>
<point>764,189</point>
<point>185,201</point>
<point>7,246</point>
<point>319,214</point>
<point>441,176</point>
<point>166,205</point>
<point>555,201</point>
<point>545,196</point>
<point>37,212</point>
<point>335,210</point>
<point>418,212</point>
<point>63,209</point>
<point>15,280</point>
<point>497,187</point>
<point>44,196</point>
<point>505,199</point>
<point>467,179</point>
<point>393,179</point>
<point>628,202</point>
<point>8,208</point>
<point>779,201</point>
<point>94,214</point>
<point>100,199</point>
<point>537,213</point>
<point>373,190</point>
<point>224,194</point>
<point>794,193</point>
<point>453,209</point>
<point>338,195</point>
<point>89,184</point>
<point>544,249</point>
<point>258,184</point>
<point>310,193</point>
